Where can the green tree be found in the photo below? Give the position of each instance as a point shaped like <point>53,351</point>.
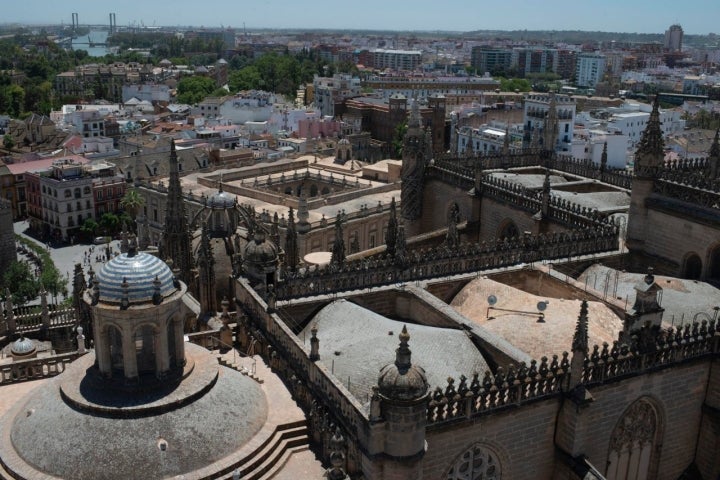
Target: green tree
<point>247,78</point>
<point>89,227</point>
<point>399,138</point>
<point>15,100</point>
<point>193,89</point>
<point>109,223</point>
<point>21,282</point>
<point>8,142</point>
<point>132,202</point>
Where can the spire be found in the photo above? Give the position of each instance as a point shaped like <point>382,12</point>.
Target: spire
<point>550,130</point>
<point>506,141</point>
<point>337,457</point>
<point>206,271</point>
<point>603,158</point>
<point>714,156</point>
<point>580,338</point>
<point>400,246</point>
<point>414,119</point>
<point>545,197</point>
<point>176,236</point>
<point>650,154</point>
<point>338,249</point>
<point>403,360</point>
<point>469,147</point>
<point>391,235</point>
<point>291,245</point>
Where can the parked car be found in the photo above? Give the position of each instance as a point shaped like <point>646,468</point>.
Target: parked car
<point>101,240</point>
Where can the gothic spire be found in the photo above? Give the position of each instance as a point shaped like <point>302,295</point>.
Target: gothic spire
<point>391,235</point>
<point>550,129</point>
<point>506,141</point>
<point>400,246</point>
<point>650,154</point>
<point>604,158</point>
<point>291,245</point>
<point>176,235</point>
<point>714,156</point>
<point>206,271</point>
<point>338,249</point>
<point>414,119</point>
<point>580,338</point>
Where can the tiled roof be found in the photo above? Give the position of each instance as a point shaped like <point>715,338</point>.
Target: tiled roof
<point>139,271</point>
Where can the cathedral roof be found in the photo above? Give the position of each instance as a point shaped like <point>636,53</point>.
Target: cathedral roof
<point>538,339</point>
<point>221,200</point>
<point>139,271</point>
<point>359,343</point>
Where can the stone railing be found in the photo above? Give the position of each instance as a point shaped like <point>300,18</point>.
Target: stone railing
<point>690,193</point>
<point>316,379</point>
<point>441,261</point>
<point>559,209</point>
<point>646,352</point>
<point>477,396</point>
<point>35,368</point>
<point>698,164</point>
<point>667,348</point>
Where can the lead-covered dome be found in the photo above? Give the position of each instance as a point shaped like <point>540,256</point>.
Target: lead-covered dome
<point>139,271</point>
<point>221,200</point>
<point>261,252</point>
<point>23,346</point>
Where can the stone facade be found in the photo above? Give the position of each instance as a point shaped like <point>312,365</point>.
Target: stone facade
<point>7,236</point>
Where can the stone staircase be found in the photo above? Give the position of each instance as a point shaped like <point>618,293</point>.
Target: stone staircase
<point>288,438</point>
<point>268,459</point>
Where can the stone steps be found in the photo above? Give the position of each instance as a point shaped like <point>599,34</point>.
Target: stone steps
<point>265,462</point>
<point>241,364</point>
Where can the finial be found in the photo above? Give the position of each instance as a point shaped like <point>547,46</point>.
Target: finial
<point>402,354</point>
<point>580,338</point>
<point>157,296</point>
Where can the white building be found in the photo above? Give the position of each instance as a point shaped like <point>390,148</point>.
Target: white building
<point>153,93</point>
<point>327,91</point>
<point>589,69</point>
<point>396,59</point>
<point>631,120</point>
<point>485,139</point>
<point>536,110</point>
<point>588,144</point>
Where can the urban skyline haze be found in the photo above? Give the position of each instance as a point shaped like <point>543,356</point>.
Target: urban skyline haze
<point>641,16</point>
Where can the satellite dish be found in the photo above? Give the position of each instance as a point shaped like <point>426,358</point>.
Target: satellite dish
<point>542,305</point>
<point>492,300</point>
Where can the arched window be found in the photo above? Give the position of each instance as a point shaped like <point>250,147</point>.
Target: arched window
<point>508,229</point>
<point>477,463</point>
<point>692,269</point>
<point>632,444</point>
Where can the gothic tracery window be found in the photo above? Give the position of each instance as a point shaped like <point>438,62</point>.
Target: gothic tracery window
<point>632,443</point>
<point>477,463</point>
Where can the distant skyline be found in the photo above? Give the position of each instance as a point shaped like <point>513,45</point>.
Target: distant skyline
<point>641,16</point>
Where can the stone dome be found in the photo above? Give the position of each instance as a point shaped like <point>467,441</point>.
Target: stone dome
<point>139,270</point>
<point>22,346</point>
<point>185,431</point>
<point>402,380</point>
<point>221,200</point>
<point>261,251</point>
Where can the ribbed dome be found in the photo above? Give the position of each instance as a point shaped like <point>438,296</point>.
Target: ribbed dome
<point>139,271</point>
<point>221,200</point>
<point>260,251</point>
<point>402,380</point>
<point>22,346</point>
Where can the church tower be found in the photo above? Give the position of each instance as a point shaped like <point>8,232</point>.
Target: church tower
<point>415,158</point>
<point>649,159</point>
<point>176,235</point>
<point>438,104</point>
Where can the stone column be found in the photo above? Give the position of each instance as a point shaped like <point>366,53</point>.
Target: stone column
<point>102,351</point>
<point>129,355</point>
<point>162,357</point>
<point>179,342</point>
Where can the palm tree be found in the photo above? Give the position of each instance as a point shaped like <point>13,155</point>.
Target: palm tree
<point>132,202</point>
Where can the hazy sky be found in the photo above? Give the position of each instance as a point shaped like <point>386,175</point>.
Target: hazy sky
<point>645,16</point>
